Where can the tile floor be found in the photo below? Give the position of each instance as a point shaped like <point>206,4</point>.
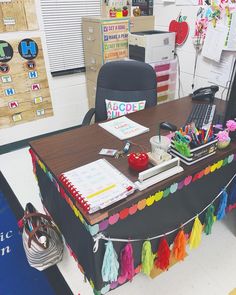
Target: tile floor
<point>208,270</point>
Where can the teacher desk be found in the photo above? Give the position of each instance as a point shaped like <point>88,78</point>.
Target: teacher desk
<point>144,214</point>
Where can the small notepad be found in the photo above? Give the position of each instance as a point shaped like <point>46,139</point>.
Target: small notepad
<point>98,184</point>
<point>124,128</point>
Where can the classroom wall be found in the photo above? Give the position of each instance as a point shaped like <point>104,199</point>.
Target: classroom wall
<point>68,93</point>
<point>165,12</point>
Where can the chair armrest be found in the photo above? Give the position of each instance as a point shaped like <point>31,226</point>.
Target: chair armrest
<point>88,117</point>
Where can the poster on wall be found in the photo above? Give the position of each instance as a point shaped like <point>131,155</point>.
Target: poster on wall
<point>17,15</point>
<point>24,90</point>
<point>115,39</point>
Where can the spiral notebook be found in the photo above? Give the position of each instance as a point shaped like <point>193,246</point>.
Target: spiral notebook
<point>97,185</point>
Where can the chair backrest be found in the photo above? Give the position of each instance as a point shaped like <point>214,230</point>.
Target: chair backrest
<point>125,81</point>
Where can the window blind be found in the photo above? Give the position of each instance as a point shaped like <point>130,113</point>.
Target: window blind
<point>63,29</point>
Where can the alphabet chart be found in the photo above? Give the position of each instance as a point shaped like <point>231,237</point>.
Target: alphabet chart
<point>24,90</point>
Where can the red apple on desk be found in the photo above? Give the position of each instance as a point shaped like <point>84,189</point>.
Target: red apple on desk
<point>138,161</point>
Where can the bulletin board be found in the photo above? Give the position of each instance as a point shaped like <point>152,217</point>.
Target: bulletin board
<point>24,90</point>
<point>17,15</point>
<point>115,39</point>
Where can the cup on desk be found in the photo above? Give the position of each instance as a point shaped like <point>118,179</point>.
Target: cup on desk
<point>159,142</point>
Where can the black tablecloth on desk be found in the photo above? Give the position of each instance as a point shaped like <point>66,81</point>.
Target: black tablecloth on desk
<point>159,218</point>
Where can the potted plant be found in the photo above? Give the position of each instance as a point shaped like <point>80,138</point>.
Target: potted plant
<point>125,11</point>
<point>224,135</point>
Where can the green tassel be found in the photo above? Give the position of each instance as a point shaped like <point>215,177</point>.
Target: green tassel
<point>209,220</point>
<point>95,292</point>
<point>147,258</point>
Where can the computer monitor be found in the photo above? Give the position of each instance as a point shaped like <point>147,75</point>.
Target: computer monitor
<point>230,111</point>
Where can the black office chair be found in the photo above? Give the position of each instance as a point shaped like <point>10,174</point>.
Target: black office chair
<point>125,81</point>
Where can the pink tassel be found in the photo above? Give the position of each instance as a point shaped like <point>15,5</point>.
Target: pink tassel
<point>127,262</point>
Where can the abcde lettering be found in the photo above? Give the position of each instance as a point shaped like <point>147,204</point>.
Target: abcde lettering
<point>116,109</point>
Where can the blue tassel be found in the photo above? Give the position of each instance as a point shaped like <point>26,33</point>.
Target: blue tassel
<point>110,265</point>
<point>222,206</point>
<point>232,195</point>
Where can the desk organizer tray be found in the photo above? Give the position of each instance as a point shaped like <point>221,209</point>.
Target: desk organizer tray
<point>196,154</point>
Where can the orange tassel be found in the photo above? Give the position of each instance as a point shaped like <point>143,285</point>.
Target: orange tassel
<point>179,248</point>
<point>163,255</point>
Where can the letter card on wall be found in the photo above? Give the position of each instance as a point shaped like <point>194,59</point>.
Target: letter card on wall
<point>24,90</point>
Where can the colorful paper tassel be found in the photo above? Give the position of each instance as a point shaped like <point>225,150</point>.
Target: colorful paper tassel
<point>110,264</point>
<point>196,234</point>
<point>222,206</point>
<point>127,262</point>
<point>179,248</point>
<point>147,258</point>
<point>163,255</point>
<point>209,220</point>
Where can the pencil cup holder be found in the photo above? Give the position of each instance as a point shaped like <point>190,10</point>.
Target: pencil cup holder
<point>190,155</point>
<point>159,142</point>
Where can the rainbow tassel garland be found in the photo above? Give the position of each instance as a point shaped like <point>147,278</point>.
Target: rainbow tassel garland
<point>127,262</point>
<point>196,234</point>
<point>222,206</point>
<point>163,255</point>
<point>209,220</point>
<point>179,248</point>
<point>110,264</point>
<point>147,258</point>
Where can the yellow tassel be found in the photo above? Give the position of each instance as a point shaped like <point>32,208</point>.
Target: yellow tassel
<point>196,234</point>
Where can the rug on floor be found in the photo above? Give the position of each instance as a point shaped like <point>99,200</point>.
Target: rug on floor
<point>17,277</point>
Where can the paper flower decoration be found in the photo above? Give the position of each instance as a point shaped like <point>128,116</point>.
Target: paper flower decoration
<point>231,125</point>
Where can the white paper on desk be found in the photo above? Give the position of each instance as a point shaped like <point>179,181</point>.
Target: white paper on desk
<point>214,42</point>
<point>231,42</point>
<point>220,73</point>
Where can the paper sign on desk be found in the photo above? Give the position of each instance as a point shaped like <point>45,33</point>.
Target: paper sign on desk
<point>124,128</point>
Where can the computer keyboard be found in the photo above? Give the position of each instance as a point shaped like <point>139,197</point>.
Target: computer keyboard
<point>202,115</point>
